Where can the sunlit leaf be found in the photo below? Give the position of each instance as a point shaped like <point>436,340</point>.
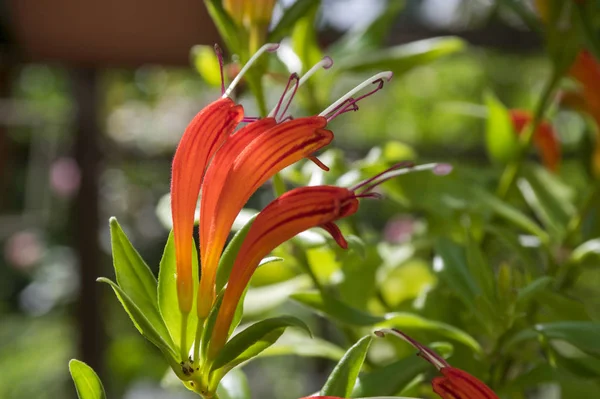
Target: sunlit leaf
<point>167,295</point>
<point>501,140</point>
<point>253,340</point>
<point>582,334</point>
<point>294,343</point>
<point>87,383</point>
<point>402,58</point>
<point>343,377</point>
<point>289,18</point>
<point>157,334</point>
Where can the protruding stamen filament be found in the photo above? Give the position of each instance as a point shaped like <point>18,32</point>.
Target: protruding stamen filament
<point>401,168</point>
<point>267,47</point>
<point>219,54</point>
<point>318,162</point>
<point>400,165</point>
<point>378,79</point>
<point>293,82</point>
<point>325,63</point>
<point>250,119</point>
<point>424,351</point>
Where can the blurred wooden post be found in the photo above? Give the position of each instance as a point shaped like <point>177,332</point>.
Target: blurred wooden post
<point>86,216</point>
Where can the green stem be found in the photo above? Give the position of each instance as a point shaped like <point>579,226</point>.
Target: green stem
<point>511,171</point>
<point>198,337</point>
<point>184,349</point>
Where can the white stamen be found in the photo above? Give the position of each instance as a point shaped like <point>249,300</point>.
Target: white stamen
<point>437,168</point>
<point>325,63</point>
<point>387,75</point>
<point>267,47</point>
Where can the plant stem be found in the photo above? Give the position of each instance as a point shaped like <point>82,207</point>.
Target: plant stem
<point>199,331</point>
<point>511,171</point>
<point>183,342</point>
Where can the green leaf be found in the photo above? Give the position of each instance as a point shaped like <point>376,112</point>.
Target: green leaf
<point>87,383</point>
<point>533,288</point>
<point>230,254</point>
<point>414,322</point>
<point>167,295</point>
<point>234,386</point>
<point>336,309</point>
<point>304,39</point>
<point>508,212</point>
<point>289,18</point>
<point>542,193</point>
<point>254,339</point>
<point>561,306</point>
<point>135,279</point>
<point>206,64</point>
<point>342,379</point>
<point>480,268</point>
<point>581,334</point>
<point>161,339</point>
<point>451,265</point>
<point>133,275</point>
<point>293,343</point>
<point>279,187</point>
<point>390,379</point>
<point>501,139</point>
<point>400,59</point>
<point>209,325</point>
<point>228,29</point>
<point>585,250</point>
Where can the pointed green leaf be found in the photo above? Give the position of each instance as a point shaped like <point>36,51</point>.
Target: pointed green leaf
<point>145,327</point>
<point>87,383</point>
<point>289,18</point>
<point>582,334</point>
<point>336,309</point>
<point>500,137</point>
<point>508,212</point>
<point>531,289</point>
<point>136,280</point>
<point>167,295</point>
<point>390,379</point>
<point>451,265</point>
<point>209,325</point>
<point>230,253</point>
<point>547,197</point>
<point>402,58</point>
<point>253,340</point>
<point>228,29</point>
<point>342,379</point>
<point>133,275</point>
<point>206,64</point>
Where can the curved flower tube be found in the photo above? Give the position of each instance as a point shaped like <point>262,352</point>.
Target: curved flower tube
<point>295,211</point>
<point>455,383</point>
<point>244,163</point>
<point>201,139</point>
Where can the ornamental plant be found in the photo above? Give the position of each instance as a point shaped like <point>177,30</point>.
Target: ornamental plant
<point>508,248</point>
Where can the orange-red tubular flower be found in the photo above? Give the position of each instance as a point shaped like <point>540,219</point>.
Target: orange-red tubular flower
<point>455,383</point>
<point>544,138</point>
<point>295,211</point>
<point>201,139</point>
<point>245,162</point>
<point>586,70</point>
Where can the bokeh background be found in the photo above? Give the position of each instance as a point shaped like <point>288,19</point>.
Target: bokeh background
<point>94,97</point>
